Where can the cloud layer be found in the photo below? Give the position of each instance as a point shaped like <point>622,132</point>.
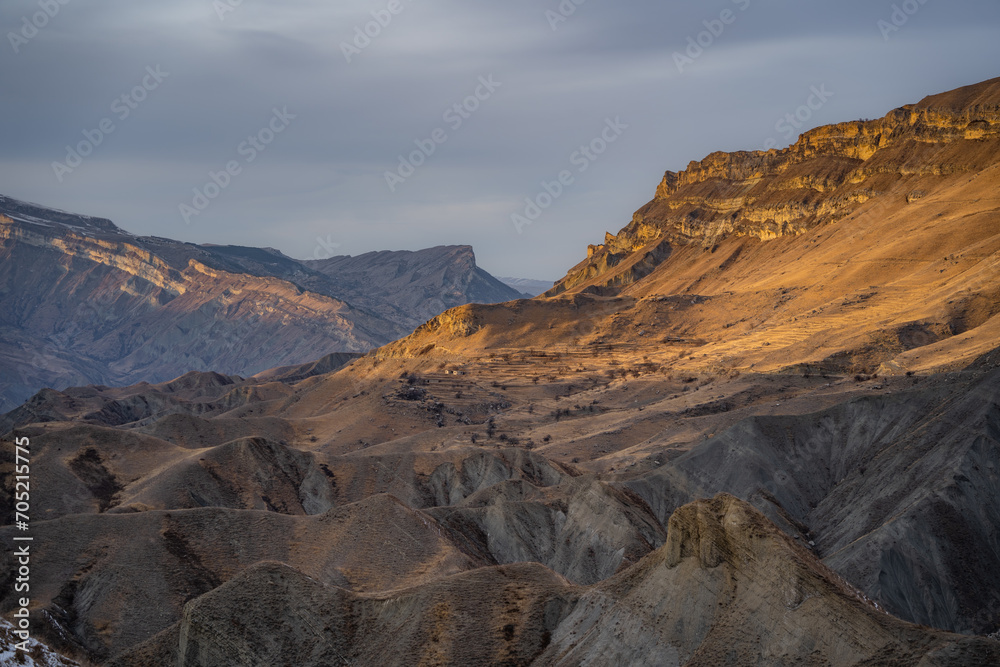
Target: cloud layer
<point>368,82</point>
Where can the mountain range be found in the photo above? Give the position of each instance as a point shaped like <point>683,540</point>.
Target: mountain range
<point>760,425</point>
<point>85,302</point>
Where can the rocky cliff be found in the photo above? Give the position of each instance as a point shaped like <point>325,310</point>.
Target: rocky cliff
<point>825,176</point>
<point>865,247</point>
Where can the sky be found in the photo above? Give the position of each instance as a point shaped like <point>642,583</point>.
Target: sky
<point>525,128</point>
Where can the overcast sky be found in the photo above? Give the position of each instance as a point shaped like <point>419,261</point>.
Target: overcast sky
<point>201,77</point>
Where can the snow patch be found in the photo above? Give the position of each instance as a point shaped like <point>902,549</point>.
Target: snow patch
<point>38,654</point>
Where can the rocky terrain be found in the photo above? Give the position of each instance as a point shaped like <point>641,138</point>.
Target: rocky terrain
<point>84,302</point>
<point>726,588</point>
<point>772,441</point>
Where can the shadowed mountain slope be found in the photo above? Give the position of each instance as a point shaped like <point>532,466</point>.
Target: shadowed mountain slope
<point>726,588</point>
<point>85,302</point>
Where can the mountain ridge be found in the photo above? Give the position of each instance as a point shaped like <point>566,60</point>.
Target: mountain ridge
<point>728,194</point>
<point>121,308</point>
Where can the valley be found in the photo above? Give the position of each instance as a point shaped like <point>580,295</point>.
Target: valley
<point>759,425</point>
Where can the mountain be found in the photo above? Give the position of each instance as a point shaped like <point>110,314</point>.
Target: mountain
<point>85,302</point>
<point>919,156</point>
<point>412,287</point>
<point>864,245</point>
<point>760,425</point>
<point>531,288</point>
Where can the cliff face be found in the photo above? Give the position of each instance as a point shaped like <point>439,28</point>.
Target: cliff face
<point>826,175</point>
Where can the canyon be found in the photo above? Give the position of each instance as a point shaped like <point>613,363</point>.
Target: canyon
<point>759,425</point>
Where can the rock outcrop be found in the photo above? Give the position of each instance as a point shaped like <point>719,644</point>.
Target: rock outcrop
<point>826,175</point>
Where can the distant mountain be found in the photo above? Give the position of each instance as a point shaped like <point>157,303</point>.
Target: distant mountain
<point>85,302</point>
<point>528,286</point>
<point>412,287</point>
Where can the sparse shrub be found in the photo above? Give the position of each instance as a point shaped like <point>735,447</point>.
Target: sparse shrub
<point>412,393</point>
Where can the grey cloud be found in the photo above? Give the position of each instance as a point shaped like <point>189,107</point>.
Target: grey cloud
<point>324,176</point>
